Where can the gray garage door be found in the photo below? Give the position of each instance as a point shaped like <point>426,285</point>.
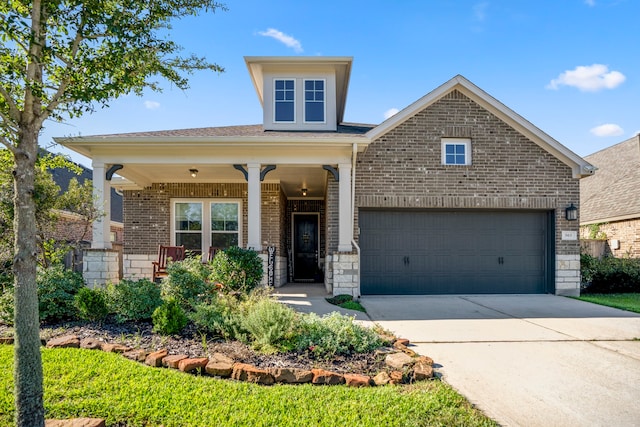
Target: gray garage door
<point>454,252</point>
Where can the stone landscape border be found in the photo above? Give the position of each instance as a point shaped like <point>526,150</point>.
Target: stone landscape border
<point>405,365</point>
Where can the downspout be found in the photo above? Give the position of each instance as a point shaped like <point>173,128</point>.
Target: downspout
<point>353,210</point>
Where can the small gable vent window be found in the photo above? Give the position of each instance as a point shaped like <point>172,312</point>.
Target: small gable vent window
<point>284,100</point>
<point>456,151</point>
<point>314,100</point>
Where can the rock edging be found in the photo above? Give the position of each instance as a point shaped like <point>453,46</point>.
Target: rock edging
<point>405,365</point>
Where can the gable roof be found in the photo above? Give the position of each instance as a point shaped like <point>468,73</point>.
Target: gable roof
<point>613,193</point>
<point>580,167</point>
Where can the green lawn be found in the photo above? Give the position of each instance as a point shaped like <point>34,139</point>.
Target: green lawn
<point>85,383</point>
<point>629,302</point>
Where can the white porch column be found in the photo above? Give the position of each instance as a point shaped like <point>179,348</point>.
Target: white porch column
<point>345,222</point>
<point>102,202</point>
<point>254,204</point>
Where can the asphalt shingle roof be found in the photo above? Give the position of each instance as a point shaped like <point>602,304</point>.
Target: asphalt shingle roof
<point>614,190</point>
<point>344,129</point>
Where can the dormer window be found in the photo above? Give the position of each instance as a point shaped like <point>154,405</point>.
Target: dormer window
<point>284,97</point>
<point>314,105</point>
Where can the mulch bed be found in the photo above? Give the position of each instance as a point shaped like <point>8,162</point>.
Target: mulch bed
<point>139,335</point>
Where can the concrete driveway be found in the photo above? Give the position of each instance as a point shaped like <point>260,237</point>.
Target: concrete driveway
<point>526,360</point>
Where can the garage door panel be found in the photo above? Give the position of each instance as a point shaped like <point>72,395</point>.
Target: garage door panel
<point>438,252</point>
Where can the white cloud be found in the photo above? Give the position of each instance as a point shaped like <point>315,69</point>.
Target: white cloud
<point>589,78</point>
<point>390,112</point>
<point>480,11</point>
<point>288,40</point>
<point>608,129</point>
<point>151,105</point>
<point>590,3</point>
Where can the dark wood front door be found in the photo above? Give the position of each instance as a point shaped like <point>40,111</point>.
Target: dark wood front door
<point>305,246</point>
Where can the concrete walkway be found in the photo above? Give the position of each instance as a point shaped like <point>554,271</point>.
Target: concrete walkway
<point>526,360</point>
<point>311,298</point>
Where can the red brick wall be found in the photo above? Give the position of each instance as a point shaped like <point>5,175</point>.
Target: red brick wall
<point>147,213</point>
<point>627,232</point>
<point>332,214</point>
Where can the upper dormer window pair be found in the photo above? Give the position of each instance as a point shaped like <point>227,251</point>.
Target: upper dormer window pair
<point>285,100</point>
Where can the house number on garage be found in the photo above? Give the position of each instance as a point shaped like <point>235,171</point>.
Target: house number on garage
<point>569,235</point>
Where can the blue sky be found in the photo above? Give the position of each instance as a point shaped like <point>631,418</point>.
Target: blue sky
<point>571,67</point>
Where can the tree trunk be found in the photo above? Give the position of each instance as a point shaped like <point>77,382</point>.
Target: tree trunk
<point>27,357</point>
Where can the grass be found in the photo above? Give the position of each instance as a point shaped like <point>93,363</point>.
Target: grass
<point>629,302</point>
<point>85,383</point>
<point>346,301</point>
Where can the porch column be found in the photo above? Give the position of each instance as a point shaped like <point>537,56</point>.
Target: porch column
<point>102,202</point>
<point>345,222</point>
<point>254,202</point>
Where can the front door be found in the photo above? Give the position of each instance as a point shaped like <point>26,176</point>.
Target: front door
<point>305,247</point>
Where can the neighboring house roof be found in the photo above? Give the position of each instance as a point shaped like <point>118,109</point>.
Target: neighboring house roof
<point>580,167</point>
<point>613,193</point>
<point>62,176</point>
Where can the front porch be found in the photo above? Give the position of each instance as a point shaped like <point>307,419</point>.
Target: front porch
<point>301,225</point>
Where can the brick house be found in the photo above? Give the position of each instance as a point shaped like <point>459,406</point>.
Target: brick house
<point>454,194</point>
<point>611,198</point>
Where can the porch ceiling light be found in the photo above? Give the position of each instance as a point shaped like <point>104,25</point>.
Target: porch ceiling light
<point>304,191</point>
<point>571,213</point>
<point>193,172</point>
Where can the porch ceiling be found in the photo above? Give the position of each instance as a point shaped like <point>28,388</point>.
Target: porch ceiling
<point>292,178</point>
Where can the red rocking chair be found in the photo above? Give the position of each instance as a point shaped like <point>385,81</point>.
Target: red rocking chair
<point>213,250</point>
<point>166,254</point>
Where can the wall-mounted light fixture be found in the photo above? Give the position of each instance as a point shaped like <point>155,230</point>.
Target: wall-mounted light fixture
<point>304,191</point>
<point>571,213</point>
<point>193,172</point>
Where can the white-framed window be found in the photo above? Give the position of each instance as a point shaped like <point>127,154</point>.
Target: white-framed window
<point>200,223</point>
<point>456,151</point>
<point>314,101</point>
<point>284,100</point>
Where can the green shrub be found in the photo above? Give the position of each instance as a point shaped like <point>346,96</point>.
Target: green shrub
<point>91,304</point>
<point>271,325</point>
<point>57,288</point>
<point>6,307</point>
<point>588,265</point>
<point>133,300</point>
<point>610,275</point>
<point>237,269</point>
<point>187,283</point>
<point>222,315</point>
<point>335,334</point>
<point>169,318</point>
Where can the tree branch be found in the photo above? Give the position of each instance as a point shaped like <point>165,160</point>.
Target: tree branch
<point>4,141</point>
<point>55,100</point>
<point>14,111</point>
